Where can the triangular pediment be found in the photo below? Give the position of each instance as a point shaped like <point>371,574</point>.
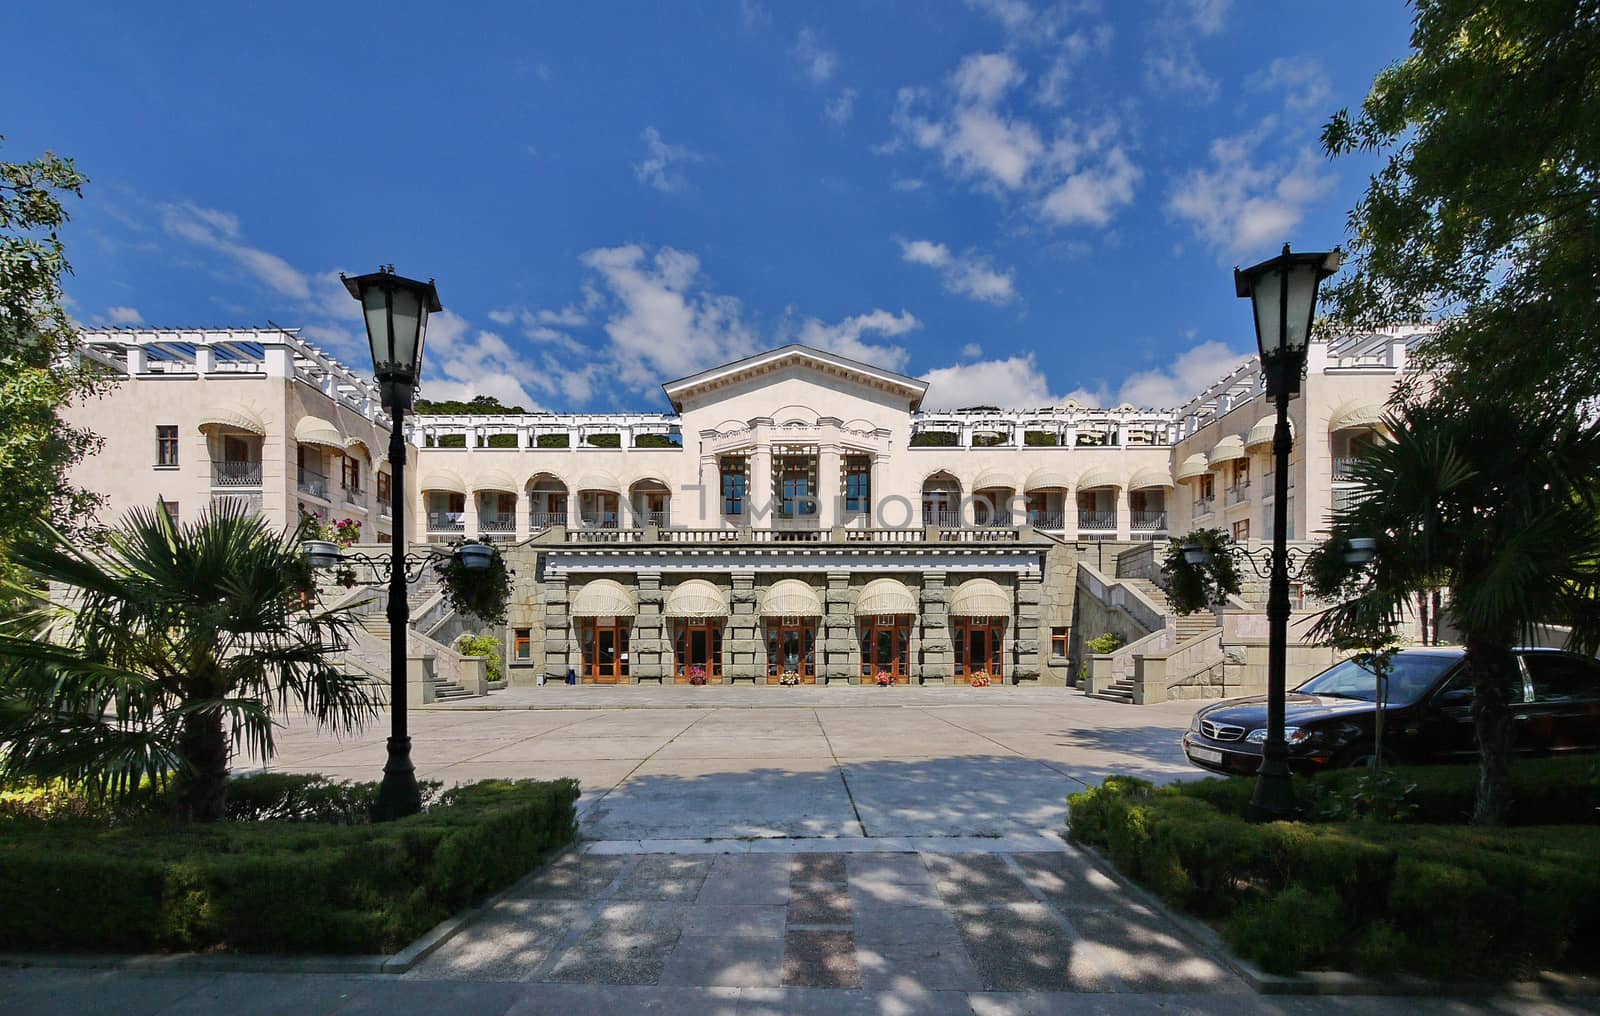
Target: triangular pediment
<point>827,366</point>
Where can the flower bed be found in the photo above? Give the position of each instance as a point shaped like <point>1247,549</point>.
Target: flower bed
<point>1442,900</point>
<point>284,886</point>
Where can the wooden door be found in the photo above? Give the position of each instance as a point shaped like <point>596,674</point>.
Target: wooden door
<point>605,652</point>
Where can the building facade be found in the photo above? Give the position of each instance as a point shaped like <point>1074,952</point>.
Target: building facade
<point>798,517</point>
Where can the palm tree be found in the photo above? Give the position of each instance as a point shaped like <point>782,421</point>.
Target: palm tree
<point>1500,508</point>
<point>166,653</point>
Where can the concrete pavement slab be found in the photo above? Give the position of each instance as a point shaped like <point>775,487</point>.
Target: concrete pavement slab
<point>820,959</point>
<point>1024,946</point>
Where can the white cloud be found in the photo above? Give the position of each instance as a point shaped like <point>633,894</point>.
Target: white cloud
<point>816,61</point>
<point>907,185</point>
<point>124,316</point>
<point>971,351</point>
<point>1208,16</point>
<point>502,317</point>
<point>847,337</point>
<point>1082,176</point>
<point>1194,369</point>
<point>1015,381</point>
<point>219,231</point>
<point>662,165</point>
<point>1175,70</point>
<point>969,274</point>
<point>1302,81</point>
<point>842,107</point>
<point>1239,204</point>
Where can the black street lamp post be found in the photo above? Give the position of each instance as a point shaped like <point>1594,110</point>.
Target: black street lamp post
<point>1284,294</point>
<point>396,311</point>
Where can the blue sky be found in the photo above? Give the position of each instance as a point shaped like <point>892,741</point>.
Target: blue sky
<point>1023,202</point>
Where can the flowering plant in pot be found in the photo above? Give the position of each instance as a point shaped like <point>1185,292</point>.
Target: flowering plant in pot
<point>788,678</point>
<point>979,680</point>
<point>697,674</point>
<point>347,532</point>
<point>884,679</point>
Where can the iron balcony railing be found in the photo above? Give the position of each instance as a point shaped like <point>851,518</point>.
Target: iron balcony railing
<point>385,509</point>
<point>235,474</point>
<point>1239,494</point>
<point>447,522</point>
<point>657,519</point>
<point>1344,468</point>
<point>497,524</point>
<point>945,518</point>
<point>355,495</point>
<point>313,483</point>
<point>600,520</point>
<point>1047,520</point>
<point>1204,506</point>
<point>544,520</point>
<point>1149,521</point>
<point>1097,520</point>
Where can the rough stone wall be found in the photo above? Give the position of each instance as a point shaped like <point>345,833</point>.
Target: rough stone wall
<point>649,649</point>
<point>838,655</point>
<point>526,609</point>
<point>1091,619</point>
<point>560,648</point>
<point>744,654</point>
<point>932,658</point>
<point>1058,594</point>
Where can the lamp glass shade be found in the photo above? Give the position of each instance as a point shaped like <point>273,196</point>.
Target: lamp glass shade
<point>1266,298</point>
<point>407,315</point>
<point>375,307</point>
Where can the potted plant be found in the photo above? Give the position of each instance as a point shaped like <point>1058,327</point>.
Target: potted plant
<point>697,674</point>
<point>979,680</point>
<point>475,582</point>
<point>788,678</point>
<point>347,532</point>
<point>884,679</point>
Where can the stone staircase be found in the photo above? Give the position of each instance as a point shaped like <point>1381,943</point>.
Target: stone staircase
<point>1188,626</point>
<point>376,625</point>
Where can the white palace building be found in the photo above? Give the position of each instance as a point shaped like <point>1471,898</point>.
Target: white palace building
<point>798,513</point>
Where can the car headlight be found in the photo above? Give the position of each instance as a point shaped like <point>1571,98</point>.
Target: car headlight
<point>1194,723</point>
<point>1291,735</point>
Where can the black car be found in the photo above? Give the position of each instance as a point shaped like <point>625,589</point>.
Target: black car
<point>1328,720</point>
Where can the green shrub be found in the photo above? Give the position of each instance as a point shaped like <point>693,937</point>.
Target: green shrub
<point>604,440</point>
<point>298,797</point>
<point>934,439</point>
<point>501,441</point>
<point>1109,642</point>
<point>484,644</point>
<point>655,441</point>
<point>553,441</point>
<point>1291,931</point>
<point>272,886</point>
<point>1039,438</point>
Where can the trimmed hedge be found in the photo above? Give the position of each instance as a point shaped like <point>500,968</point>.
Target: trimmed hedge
<point>286,887</point>
<point>1438,900</point>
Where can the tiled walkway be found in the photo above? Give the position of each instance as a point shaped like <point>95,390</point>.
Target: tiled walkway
<point>925,927</point>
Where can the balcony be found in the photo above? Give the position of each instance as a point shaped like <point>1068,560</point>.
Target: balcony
<point>1344,468</point>
<point>1269,482</point>
<point>235,474</point>
<point>1147,522</point>
<point>1047,520</point>
<point>313,483</point>
<point>1239,494</point>
<point>355,496</point>
<point>497,527</point>
<point>658,519</point>
<point>544,520</point>
<point>385,509</point>
<point>944,518</point>
<point>598,520</point>
<point>1204,506</point>
<point>1096,520</point>
<point>447,522</point>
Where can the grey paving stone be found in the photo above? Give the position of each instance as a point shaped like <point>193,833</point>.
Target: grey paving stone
<point>820,959</point>
<point>621,1000</point>
<point>932,964</point>
<point>75,992</point>
<point>909,1000</point>
<point>628,943</point>
<point>816,868</point>
<point>976,880</point>
<point>664,877</point>
<point>747,879</point>
<point>509,943</point>
<point>387,997</point>
<point>736,921</point>
<point>819,903</point>
<point>726,961</point>
<point>870,893</point>
<point>573,877</point>
<point>895,868</point>
<point>896,926</point>
<point>1023,947</point>
<point>1145,953</point>
<point>1069,880</point>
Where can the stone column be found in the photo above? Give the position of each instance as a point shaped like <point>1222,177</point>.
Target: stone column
<point>828,487</point>
<point>1124,516</point>
<point>837,638</point>
<point>744,653</point>
<point>520,513</point>
<point>1025,658</point>
<point>470,515</point>
<point>649,649</point>
<point>936,664</point>
<point>759,508</point>
<point>561,650</point>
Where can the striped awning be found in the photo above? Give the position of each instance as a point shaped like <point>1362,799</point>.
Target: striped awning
<point>1228,449</point>
<point>980,598</point>
<point>599,481</point>
<point>1100,476</point>
<point>604,598</point>
<point>1355,414</point>
<point>1193,466</point>
<point>494,479</point>
<point>442,479</point>
<point>1046,479</point>
<point>1144,479</point>
<point>696,598</point>
<point>885,596</point>
<point>791,598</point>
<point>1261,433</point>
<point>989,479</point>
<point>314,430</point>
<point>233,418</point>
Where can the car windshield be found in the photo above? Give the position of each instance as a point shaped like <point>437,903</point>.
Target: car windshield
<point>1410,677</point>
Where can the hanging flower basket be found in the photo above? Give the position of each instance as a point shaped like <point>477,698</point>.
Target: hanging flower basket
<point>481,592</point>
<point>789,679</point>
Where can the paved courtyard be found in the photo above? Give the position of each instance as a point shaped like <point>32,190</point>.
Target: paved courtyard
<point>766,851</point>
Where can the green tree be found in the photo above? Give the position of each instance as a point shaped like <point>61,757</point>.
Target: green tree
<point>1502,512</point>
<point>1486,213</point>
<point>166,653</point>
<point>38,374</point>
